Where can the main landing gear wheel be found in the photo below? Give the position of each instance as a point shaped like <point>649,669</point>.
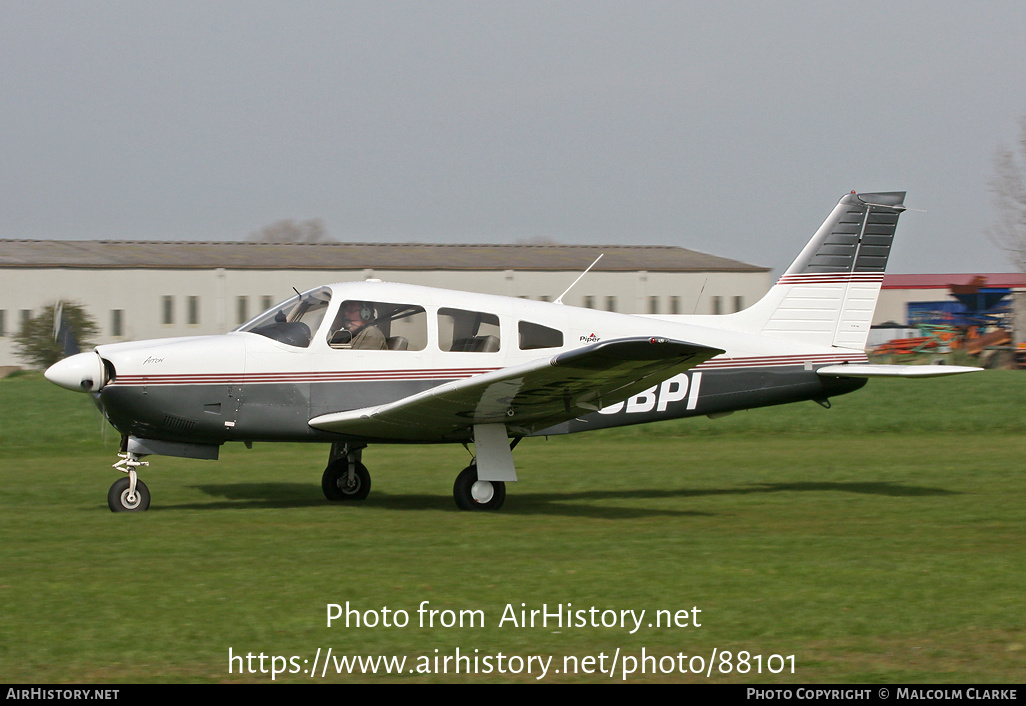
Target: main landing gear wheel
<point>120,498</point>
<point>473,494</point>
<point>338,485</point>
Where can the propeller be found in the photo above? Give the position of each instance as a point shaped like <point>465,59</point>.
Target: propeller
<point>64,333</point>
<point>78,371</point>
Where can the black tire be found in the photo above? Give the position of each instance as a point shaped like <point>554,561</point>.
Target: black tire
<point>117,496</point>
<point>336,485</point>
<point>489,495</point>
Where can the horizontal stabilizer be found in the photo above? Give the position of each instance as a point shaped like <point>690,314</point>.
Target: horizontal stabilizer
<point>889,371</point>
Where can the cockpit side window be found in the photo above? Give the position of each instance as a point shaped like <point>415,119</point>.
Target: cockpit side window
<point>468,331</point>
<point>373,325</point>
<point>294,321</point>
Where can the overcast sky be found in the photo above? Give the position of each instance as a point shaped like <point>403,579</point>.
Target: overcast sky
<point>726,127</point>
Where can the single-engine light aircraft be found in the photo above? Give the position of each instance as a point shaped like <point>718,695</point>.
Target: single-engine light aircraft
<point>371,362</point>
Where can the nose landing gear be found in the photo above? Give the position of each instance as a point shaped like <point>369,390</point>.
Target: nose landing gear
<point>128,494</point>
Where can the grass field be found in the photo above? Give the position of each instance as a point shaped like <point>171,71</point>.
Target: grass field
<point>880,541</point>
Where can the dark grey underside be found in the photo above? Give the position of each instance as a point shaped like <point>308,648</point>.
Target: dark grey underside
<point>214,414</point>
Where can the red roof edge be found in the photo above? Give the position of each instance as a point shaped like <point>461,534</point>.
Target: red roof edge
<point>999,280</point>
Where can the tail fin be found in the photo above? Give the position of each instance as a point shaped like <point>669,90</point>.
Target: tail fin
<point>828,294</point>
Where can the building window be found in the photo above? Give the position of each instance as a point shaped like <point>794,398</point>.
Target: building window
<point>169,310</point>
<point>674,305</point>
<point>242,309</point>
<point>739,303</point>
<point>653,305</point>
<point>116,320</point>
<point>193,304</point>
<point>610,303</point>
<point>266,302</point>
<point>26,316</point>
<point>589,302</point>
<point>3,323</point>
<point>717,305</point>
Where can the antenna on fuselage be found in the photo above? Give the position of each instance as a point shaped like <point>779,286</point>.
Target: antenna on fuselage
<point>698,299</point>
<point>559,300</point>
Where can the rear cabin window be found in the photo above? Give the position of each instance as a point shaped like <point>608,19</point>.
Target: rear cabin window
<point>468,331</point>
<point>367,325</point>
<point>534,336</point>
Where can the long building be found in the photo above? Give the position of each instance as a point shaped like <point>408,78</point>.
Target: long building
<point>137,290</point>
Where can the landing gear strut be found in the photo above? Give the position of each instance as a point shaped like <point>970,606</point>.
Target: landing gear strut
<point>479,486</point>
<point>345,478</point>
<point>494,460</point>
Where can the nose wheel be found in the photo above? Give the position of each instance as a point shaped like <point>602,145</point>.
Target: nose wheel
<point>128,494</point>
<point>123,498</point>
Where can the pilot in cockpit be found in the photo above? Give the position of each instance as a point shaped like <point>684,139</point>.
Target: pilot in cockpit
<point>355,318</point>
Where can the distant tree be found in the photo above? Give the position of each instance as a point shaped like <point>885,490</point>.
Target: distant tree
<point>1008,186</point>
<point>291,231</point>
<point>37,344</point>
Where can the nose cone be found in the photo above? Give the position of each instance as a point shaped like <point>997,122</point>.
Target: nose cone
<point>82,372</point>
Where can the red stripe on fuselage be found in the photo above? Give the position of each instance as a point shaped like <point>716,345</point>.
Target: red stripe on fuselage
<point>718,363</point>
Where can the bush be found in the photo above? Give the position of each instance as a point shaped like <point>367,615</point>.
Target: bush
<point>37,344</point>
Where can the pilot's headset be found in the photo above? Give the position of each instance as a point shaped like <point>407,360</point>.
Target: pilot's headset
<point>366,310</point>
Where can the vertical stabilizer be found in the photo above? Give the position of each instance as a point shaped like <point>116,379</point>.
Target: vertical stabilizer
<point>828,294</point>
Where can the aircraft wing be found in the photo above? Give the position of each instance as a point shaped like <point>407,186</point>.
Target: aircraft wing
<point>527,397</point>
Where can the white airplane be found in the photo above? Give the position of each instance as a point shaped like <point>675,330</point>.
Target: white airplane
<point>372,362</point>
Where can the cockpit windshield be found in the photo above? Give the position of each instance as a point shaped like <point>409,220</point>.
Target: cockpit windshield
<point>294,321</point>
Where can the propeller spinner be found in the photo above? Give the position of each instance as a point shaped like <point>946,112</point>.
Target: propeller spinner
<point>83,372</point>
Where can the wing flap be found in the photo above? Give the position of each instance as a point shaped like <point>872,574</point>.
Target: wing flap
<point>528,397</point>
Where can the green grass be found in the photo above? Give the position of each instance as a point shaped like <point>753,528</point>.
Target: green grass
<point>880,541</point>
